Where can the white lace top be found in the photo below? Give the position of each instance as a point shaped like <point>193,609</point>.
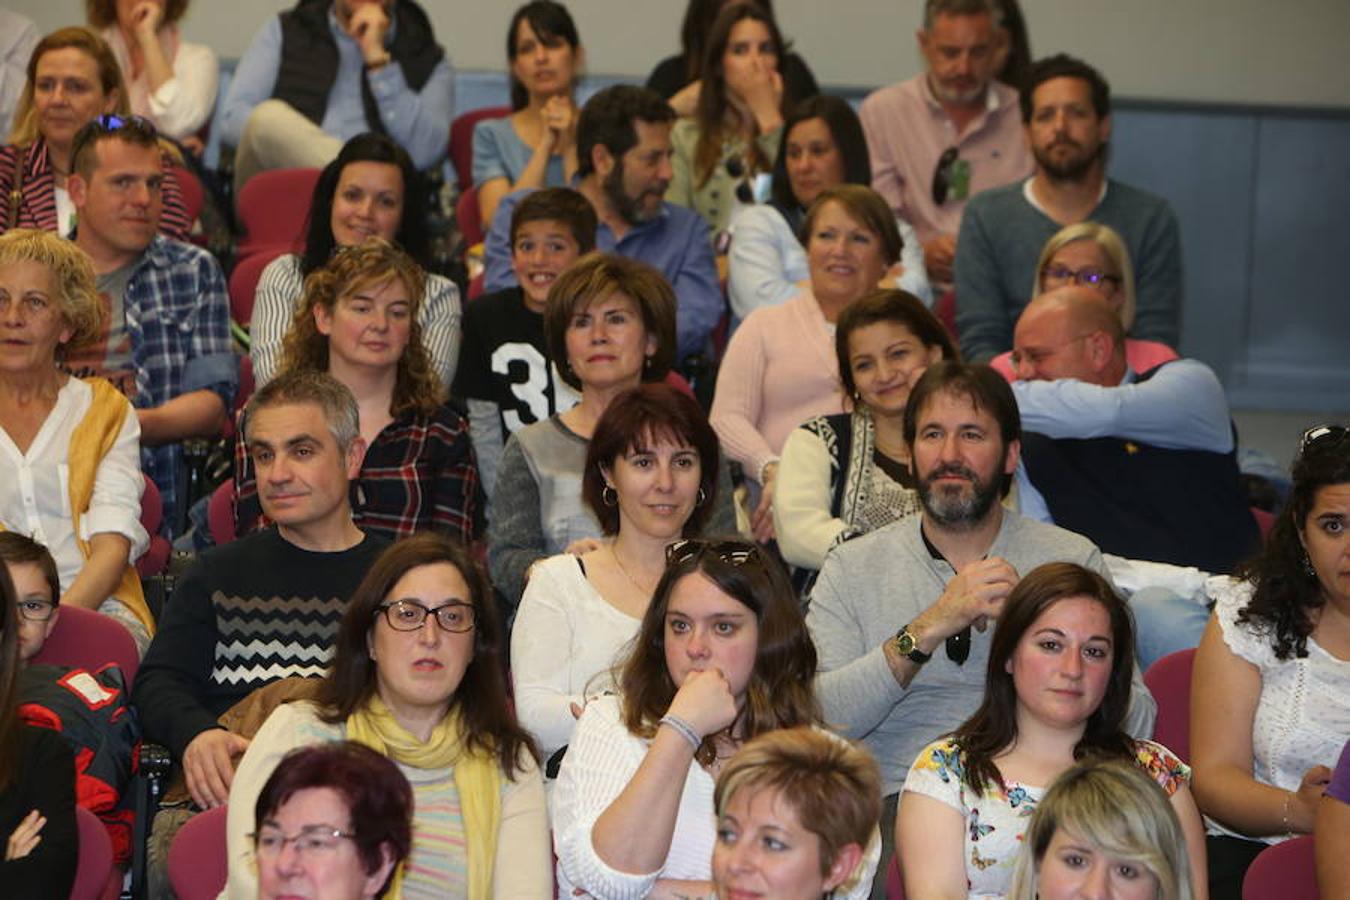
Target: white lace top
<point>1303,717</point>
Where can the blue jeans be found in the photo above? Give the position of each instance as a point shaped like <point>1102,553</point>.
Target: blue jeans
<point>1164,622</point>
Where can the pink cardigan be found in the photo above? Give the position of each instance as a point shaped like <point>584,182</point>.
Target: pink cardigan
<point>779,371</point>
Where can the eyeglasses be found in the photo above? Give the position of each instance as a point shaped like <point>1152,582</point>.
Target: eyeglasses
<point>36,610</point>
<point>313,840</point>
<point>1322,437</point>
<point>951,178</point>
<point>1088,275</point>
<point>737,553</point>
<point>405,615</point>
<point>101,126</point>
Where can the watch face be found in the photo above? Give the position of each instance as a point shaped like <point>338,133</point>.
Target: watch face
<point>905,643</point>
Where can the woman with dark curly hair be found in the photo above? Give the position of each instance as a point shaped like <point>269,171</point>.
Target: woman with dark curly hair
<point>1270,703</point>
<point>359,321</point>
<point>1057,687</point>
<point>722,656</point>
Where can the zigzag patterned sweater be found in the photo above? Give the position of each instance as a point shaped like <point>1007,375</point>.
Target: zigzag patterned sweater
<point>246,614</point>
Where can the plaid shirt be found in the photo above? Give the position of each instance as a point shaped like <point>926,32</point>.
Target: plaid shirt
<point>419,474</point>
<point>178,317</point>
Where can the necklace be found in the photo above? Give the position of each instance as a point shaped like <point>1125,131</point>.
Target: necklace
<point>645,591</point>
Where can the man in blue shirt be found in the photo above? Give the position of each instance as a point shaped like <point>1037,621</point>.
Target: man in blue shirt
<point>623,169</point>
<point>328,70</point>
<point>1143,464</point>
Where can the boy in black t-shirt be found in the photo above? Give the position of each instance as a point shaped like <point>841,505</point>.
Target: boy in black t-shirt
<point>504,373</point>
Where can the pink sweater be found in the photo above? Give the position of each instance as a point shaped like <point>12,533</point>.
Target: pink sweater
<point>779,371</point>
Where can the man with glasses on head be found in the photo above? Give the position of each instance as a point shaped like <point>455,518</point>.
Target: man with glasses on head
<point>166,339</point>
<point>947,133</point>
<point>1066,108</point>
<point>268,605</point>
<point>901,616</point>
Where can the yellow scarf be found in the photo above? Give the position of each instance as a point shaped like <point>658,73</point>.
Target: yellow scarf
<point>91,440</point>
<point>478,779</point>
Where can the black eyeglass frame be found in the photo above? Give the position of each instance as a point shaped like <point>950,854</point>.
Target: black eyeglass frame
<point>435,613</point>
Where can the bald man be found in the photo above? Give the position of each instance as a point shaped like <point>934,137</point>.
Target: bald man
<point>1143,464</point>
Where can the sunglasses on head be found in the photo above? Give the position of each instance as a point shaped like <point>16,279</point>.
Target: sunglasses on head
<point>737,553</point>
<point>1322,437</point>
<point>102,126</point>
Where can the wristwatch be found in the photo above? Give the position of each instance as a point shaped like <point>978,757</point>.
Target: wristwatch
<point>907,645</point>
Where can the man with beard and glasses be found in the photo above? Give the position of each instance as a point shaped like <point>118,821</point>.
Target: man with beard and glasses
<point>900,616</point>
<point>1067,111</point>
<point>949,132</point>
<point>623,168</point>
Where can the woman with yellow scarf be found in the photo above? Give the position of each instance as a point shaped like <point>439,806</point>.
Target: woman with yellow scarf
<point>417,674</point>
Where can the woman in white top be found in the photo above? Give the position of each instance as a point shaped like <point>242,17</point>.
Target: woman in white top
<point>1270,702</point>
<point>70,448</point>
<point>650,478</point>
<point>370,189</point>
<point>823,146</point>
<point>170,81</point>
<point>722,656</point>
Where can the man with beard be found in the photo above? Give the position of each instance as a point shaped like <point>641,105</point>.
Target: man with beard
<point>1067,111</point>
<point>623,169</point>
<point>947,133</point>
<point>900,616</point>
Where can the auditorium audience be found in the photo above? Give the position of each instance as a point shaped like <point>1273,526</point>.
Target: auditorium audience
<point>368,66</point>
<point>418,676</point>
<point>1057,687</point>
<point>721,657</point>
<point>1066,109</point>
<point>796,811</point>
<point>1270,697</point>
<point>166,341</point>
<point>1103,829</point>
<point>823,146</point>
<point>71,445</point>
<point>73,78</point>
<point>169,80</point>
<point>733,135</point>
<point>780,367</point>
<point>37,783</point>
<point>535,146</point>
<point>678,78</point>
<point>1092,255</point>
<point>623,169</point>
<point>358,322</point>
<point>650,478</point>
<point>505,376</point>
<point>318,797</point>
<point>942,136</point>
<point>846,474</point>
<point>371,189</point>
<point>610,325</point>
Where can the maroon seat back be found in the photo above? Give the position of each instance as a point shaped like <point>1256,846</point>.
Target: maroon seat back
<point>198,862</point>
<point>89,640</point>
<point>1284,871</point>
<point>461,140</point>
<point>1169,681</point>
<point>273,209</point>
<point>95,877</point>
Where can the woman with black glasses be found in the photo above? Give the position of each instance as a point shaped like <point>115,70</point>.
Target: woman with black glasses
<point>1270,703</point>
<point>722,656</point>
<point>417,675</point>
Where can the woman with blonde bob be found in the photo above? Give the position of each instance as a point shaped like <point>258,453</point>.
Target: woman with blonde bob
<point>1103,829</point>
<point>1093,256</point>
<point>70,446</point>
<point>359,322</point>
<point>814,794</point>
<point>73,78</point>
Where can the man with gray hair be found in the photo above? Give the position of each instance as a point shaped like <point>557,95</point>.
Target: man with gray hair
<point>947,133</point>
<point>268,605</point>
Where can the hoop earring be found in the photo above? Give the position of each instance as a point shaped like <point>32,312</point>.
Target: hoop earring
<point>701,498</point>
<point>609,496</point>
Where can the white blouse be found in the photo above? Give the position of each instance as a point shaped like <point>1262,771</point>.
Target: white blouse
<point>183,104</point>
<point>35,495</point>
<point>1303,717</point>
<point>565,635</point>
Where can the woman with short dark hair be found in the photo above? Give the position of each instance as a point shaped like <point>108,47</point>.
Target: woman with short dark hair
<point>418,675</point>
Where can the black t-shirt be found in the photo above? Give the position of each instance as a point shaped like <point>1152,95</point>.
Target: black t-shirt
<point>45,781</point>
<point>503,359</point>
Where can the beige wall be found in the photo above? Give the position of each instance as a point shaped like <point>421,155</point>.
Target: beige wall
<point>1238,51</point>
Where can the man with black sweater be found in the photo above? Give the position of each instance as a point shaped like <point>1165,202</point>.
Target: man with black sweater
<point>267,606</point>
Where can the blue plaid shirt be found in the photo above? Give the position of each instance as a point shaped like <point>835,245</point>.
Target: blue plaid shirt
<point>178,317</point>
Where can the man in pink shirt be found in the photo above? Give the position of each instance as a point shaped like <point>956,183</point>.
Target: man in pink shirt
<point>948,133</point>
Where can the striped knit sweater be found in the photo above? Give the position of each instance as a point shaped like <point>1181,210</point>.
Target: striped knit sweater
<point>246,614</point>
<point>37,209</point>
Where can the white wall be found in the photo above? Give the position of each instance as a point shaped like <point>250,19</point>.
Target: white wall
<point>1238,51</point>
